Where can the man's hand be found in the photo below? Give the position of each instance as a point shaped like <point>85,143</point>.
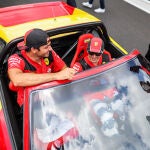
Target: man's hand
<point>67,73</point>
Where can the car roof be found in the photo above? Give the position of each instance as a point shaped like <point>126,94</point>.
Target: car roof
<point>16,20</point>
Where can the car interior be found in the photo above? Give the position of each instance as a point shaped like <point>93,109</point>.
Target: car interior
<point>67,47</point>
<point>70,46</point>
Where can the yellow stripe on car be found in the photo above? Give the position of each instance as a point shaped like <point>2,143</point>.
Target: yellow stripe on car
<point>117,45</point>
<point>78,17</point>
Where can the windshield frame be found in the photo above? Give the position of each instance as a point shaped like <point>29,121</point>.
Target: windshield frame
<point>78,77</point>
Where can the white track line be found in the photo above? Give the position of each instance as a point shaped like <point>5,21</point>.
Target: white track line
<point>141,4</point>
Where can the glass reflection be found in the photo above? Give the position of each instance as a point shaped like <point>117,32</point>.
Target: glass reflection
<point>110,107</point>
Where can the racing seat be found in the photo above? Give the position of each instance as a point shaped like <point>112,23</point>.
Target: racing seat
<point>82,45</point>
<point>108,55</point>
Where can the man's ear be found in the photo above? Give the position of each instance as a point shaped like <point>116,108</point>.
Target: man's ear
<point>33,50</point>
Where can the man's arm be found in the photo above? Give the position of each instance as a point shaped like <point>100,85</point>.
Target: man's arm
<point>20,78</point>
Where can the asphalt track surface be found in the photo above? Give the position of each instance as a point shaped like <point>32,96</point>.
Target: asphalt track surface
<point>127,24</point>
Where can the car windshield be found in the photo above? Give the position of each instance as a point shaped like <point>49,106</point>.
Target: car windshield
<point>109,110</point>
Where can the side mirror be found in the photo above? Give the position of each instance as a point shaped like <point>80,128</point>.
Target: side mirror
<point>147,56</point>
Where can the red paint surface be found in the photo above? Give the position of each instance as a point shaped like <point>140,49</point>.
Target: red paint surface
<point>14,15</point>
<point>5,143</point>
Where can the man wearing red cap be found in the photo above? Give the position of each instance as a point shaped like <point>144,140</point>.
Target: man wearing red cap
<point>37,63</point>
<point>96,55</point>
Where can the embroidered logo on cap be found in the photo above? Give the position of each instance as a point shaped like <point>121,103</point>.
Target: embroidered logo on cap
<point>95,43</point>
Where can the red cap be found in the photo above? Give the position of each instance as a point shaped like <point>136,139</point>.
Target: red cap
<point>96,45</point>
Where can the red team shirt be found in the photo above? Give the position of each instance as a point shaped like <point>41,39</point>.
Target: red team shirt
<point>17,62</point>
<point>78,67</point>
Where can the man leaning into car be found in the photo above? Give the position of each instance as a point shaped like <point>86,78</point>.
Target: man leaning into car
<point>37,63</point>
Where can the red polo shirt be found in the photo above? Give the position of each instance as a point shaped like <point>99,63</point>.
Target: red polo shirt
<point>15,61</point>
